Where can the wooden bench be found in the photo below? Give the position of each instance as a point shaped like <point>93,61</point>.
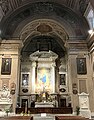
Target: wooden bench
<point>17,118</point>
<point>70,118</point>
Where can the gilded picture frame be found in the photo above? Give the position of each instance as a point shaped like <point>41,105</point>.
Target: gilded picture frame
<point>6,66</point>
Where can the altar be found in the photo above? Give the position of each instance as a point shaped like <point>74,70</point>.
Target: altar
<point>44,104</point>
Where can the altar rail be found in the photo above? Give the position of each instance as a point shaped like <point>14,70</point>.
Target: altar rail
<point>17,118</point>
<point>63,110</point>
<point>70,118</point>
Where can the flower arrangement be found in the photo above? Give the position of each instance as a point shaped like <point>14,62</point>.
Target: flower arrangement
<point>77,110</point>
<point>7,111</point>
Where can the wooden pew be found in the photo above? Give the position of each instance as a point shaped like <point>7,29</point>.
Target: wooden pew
<point>70,118</point>
<point>17,118</point>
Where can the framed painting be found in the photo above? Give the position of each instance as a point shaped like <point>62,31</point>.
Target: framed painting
<point>25,79</point>
<point>81,66</point>
<point>62,79</point>
<point>6,66</point>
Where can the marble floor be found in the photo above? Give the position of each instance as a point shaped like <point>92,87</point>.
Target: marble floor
<point>48,116</point>
<point>42,116</point>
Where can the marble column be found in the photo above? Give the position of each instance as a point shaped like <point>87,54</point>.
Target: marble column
<point>33,76</point>
<point>53,77</point>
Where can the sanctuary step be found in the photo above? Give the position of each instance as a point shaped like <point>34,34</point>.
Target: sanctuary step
<point>62,110</point>
<point>44,118</point>
<point>58,117</point>
<point>47,117</point>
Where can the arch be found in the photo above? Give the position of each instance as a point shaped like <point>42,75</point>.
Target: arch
<point>44,27</point>
<point>31,29</point>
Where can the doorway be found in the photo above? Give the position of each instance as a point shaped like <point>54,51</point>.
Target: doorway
<point>63,102</point>
<point>24,103</point>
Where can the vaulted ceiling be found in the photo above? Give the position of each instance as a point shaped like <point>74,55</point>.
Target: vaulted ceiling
<point>48,20</point>
<point>16,11</point>
<point>78,6</point>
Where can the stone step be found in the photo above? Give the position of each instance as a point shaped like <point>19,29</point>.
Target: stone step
<point>44,118</point>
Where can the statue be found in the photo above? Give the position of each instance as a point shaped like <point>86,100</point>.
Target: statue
<point>5,98</point>
<point>5,94</point>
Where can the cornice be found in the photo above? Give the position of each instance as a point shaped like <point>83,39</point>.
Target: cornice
<point>11,44</point>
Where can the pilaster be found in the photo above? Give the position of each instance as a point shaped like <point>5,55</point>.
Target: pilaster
<point>10,49</point>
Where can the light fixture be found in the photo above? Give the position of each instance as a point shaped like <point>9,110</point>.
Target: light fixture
<point>90,32</point>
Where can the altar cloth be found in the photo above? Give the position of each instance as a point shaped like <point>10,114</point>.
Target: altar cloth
<point>43,104</point>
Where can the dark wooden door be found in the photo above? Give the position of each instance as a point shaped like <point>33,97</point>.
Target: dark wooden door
<point>24,103</point>
<point>62,102</point>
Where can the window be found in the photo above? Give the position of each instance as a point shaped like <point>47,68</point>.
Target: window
<point>90,19</point>
<point>89,15</point>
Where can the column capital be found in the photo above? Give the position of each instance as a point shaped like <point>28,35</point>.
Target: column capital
<point>33,64</point>
<point>53,64</point>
